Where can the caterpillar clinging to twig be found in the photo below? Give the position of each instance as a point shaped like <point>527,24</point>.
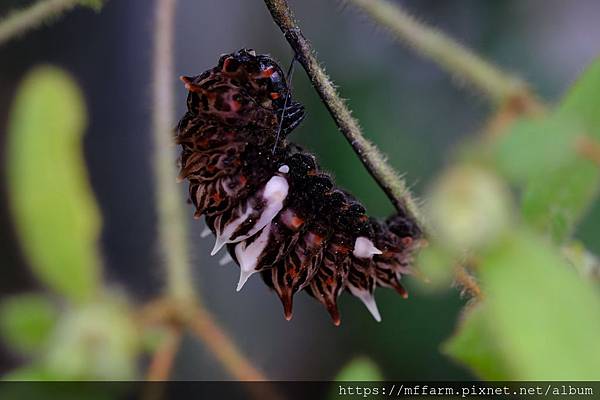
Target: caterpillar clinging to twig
<point>267,200</point>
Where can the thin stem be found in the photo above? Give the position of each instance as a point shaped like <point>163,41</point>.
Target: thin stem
<point>163,358</point>
<point>450,55</point>
<point>201,323</point>
<point>21,21</point>
<point>385,176</point>
<point>204,326</point>
<point>171,219</point>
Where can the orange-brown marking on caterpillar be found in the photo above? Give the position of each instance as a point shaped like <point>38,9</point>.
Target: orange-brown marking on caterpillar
<point>235,105</point>
<point>266,73</point>
<point>217,197</point>
<point>316,239</point>
<point>226,64</point>
<point>407,241</point>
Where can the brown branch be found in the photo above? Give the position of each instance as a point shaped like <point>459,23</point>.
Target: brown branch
<point>385,176</point>
<point>203,325</point>
<point>163,358</point>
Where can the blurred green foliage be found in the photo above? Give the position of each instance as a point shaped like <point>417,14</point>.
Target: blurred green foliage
<point>82,330</point>
<point>56,216</point>
<point>540,314</point>
<point>26,321</point>
<point>360,369</point>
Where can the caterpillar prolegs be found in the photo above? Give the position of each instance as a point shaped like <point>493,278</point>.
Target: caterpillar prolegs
<point>268,202</point>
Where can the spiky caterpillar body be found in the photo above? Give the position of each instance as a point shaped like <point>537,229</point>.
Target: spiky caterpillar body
<point>268,201</point>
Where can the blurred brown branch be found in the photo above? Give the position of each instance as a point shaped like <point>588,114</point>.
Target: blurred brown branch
<point>162,362</point>
<point>196,319</point>
<point>203,325</point>
<point>385,176</point>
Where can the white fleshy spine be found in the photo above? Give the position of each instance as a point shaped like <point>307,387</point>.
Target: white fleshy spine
<point>364,248</point>
<point>274,193</point>
<point>368,300</point>
<point>248,256</point>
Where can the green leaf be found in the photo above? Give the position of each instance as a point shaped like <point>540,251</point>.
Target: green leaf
<point>544,317</point>
<point>534,148</point>
<point>437,266</point>
<point>557,201</point>
<point>26,321</point>
<point>474,345</point>
<point>55,214</point>
<point>33,372</point>
<point>360,369</point>
<point>95,341</point>
<point>559,184</point>
<point>583,100</point>
<point>469,207</point>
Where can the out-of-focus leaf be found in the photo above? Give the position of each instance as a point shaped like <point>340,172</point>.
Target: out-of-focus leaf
<point>25,322</point>
<point>534,148</point>
<point>469,207</point>
<point>586,263</point>
<point>583,100</point>
<point>96,341</point>
<point>559,184</point>
<point>437,266</point>
<point>360,369</point>
<point>557,201</point>
<point>545,317</point>
<point>33,372</point>
<point>474,344</point>
<point>54,211</point>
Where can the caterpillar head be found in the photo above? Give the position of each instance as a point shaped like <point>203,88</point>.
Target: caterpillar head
<point>243,89</point>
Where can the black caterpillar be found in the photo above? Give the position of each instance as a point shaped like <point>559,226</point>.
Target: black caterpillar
<point>268,201</point>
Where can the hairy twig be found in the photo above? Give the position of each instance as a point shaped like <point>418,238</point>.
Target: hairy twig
<point>21,21</point>
<point>171,220</point>
<point>467,282</point>
<point>373,160</point>
<point>447,53</point>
